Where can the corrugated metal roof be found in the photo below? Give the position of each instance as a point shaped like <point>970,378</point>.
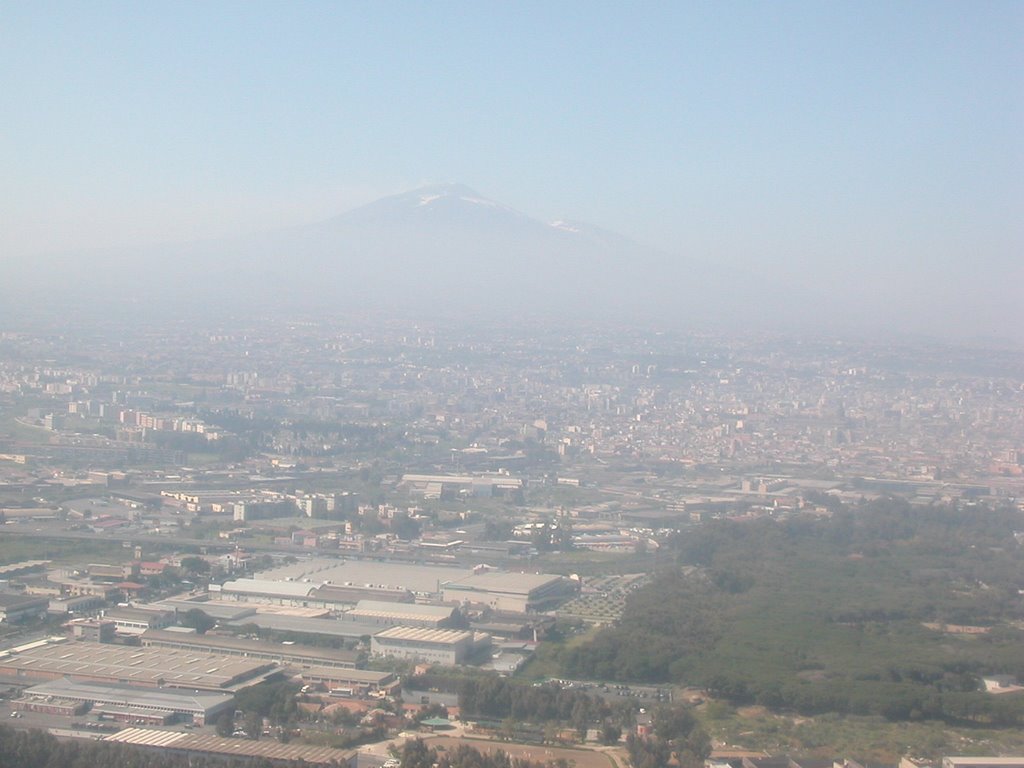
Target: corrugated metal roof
<point>423,635</point>
<point>215,745</point>
<point>270,587</point>
<point>383,608</point>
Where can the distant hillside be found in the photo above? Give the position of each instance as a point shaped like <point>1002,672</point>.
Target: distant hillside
<point>442,248</point>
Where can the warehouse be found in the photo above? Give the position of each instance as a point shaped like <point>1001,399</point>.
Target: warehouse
<point>424,581</point>
<point>135,621</point>
<point>352,682</point>
<point>299,625</point>
<point>440,646</point>
<point>405,614</point>
<point>201,707</point>
<point>266,591</point>
<point>271,750</point>
<point>215,610</point>
<point>17,608</point>
<point>12,570</point>
<point>149,667</point>
<point>298,655</point>
<point>519,592</point>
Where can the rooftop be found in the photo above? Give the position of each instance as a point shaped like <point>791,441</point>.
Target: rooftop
<point>162,698</point>
<point>214,745</point>
<point>131,664</point>
<point>213,643</point>
<point>500,581</point>
<point>423,635</point>
<point>405,610</point>
<point>270,587</point>
<point>330,627</point>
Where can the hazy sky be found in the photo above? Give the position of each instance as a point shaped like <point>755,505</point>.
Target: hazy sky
<point>852,140</point>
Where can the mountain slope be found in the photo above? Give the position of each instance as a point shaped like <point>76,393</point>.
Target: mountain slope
<point>442,248</point>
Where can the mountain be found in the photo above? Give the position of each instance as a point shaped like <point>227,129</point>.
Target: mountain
<point>443,248</point>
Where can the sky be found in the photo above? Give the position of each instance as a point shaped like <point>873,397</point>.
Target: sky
<point>852,144</point>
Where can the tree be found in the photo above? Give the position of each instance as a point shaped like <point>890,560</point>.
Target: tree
<point>610,733</point>
<point>416,754</point>
<point>253,725</point>
<point>195,565</point>
<point>197,620</point>
<point>225,724</point>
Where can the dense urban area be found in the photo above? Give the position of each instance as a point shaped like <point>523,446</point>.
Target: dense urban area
<point>377,543</point>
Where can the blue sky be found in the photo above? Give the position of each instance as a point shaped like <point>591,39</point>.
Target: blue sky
<point>867,140</point>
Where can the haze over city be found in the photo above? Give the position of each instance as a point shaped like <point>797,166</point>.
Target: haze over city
<point>523,385</point>
<point>854,168</point>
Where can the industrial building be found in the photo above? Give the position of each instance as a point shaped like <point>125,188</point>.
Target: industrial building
<point>304,594</point>
<point>93,630</point>
<point>438,486</point>
<point>177,743</point>
<point>214,609</point>
<point>76,606</point>
<point>440,646</point>
<point>518,592</point>
<point>351,682</point>
<point>137,704</point>
<point>346,630</point>
<point>130,665</point>
<point>17,608</point>
<point>296,655</point>
<point>405,614</point>
<point>351,587</point>
<point>135,621</point>
<point>370,579</point>
<point>12,570</point>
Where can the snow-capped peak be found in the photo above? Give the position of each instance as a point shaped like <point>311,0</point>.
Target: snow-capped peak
<point>565,226</point>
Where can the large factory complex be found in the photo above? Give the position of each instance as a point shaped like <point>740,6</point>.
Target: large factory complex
<point>338,586</point>
<point>135,663</point>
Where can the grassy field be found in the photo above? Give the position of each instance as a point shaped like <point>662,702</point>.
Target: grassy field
<point>578,758</point>
<point>13,429</point>
<point>14,549</point>
<point>869,739</point>
<point>545,662</point>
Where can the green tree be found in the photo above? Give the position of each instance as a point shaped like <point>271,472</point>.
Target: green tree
<point>197,620</point>
<point>225,724</point>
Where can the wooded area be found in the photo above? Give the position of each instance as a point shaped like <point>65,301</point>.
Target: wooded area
<point>829,614</point>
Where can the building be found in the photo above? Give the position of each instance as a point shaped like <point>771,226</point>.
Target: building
<point>25,567</point>
<point>438,486</point>
<point>307,593</point>
<point>15,609</point>
<point>71,606</point>
<point>351,682</point>
<point>87,662</point>
<point>93,630</point>
<point>107,592</point>
<point>299,625</point>
<point>271,750</point>
<point>983,762</point>
<point>369,580</point>
<point>439,646</point>
<point>405,614</point>
<point>517,592</point>
<point>135,621</point>
<point>105,572</point>
<point>137,704</point>
<point>295,655</point>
